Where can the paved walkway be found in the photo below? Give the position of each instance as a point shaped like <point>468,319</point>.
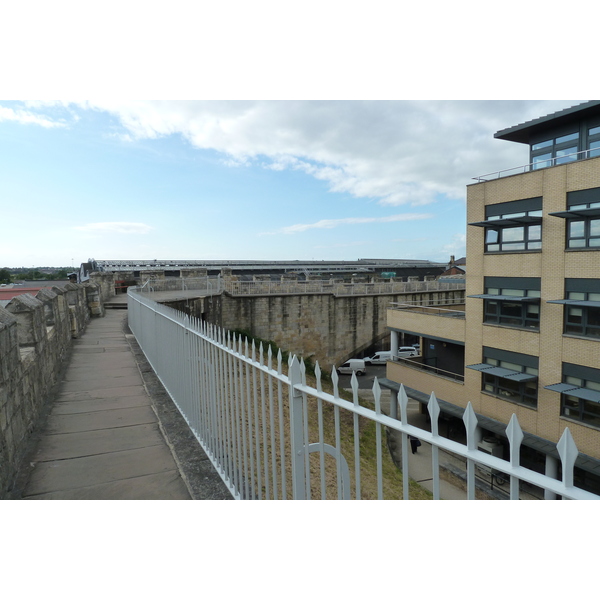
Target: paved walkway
<point>102,439</point>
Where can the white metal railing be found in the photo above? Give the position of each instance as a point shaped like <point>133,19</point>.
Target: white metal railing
<point>272,436</point>
<point>216,284</point>
<point>248,288</point>
<point>542,164</point>
<point>209,285</point>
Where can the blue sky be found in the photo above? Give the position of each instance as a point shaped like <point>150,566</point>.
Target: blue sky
<point>268,180</point>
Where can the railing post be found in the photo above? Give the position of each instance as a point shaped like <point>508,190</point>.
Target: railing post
<point>297,432</point>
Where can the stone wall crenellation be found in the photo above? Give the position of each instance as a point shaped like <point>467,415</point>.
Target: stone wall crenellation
<point>35,339</point>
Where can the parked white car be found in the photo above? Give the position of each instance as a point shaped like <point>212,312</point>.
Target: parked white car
<point>380,358</point>
<point>354,364</point>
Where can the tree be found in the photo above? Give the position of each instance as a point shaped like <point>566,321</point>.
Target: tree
<point>5,276</point>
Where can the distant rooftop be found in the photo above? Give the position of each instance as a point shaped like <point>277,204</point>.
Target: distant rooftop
<point>523,132</point>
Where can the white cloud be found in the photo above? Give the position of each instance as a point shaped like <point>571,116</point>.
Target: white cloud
<point>393,152</point>
<point>115,227</point>
<point>26,117</point>
<point>332,223</point>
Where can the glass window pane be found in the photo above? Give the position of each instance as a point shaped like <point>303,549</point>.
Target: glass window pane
<point>542,161</point>
<point>576,243</point>
<point>576,296</point>
<point>594,242</point>
<point>595,227</point>
<point>534,245</point>
<point>541,145</point>
<point>493,248</point>
<point>594,297</point>
<point>594,149</point>
<point>574,380</point>
<point>513,234</point>
<point>567,138</point>
<point>593,385</point>
<point>594,131</point>
<point>576,229</point>
<point>514,246</point>
<point>512,366</point>
<point>535,232</point>
<point>491,236</point>
<point>566,155</point>
<point>593,317</point>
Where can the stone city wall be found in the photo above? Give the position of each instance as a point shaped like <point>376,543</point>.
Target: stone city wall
<point>35,340</point>
<point>325,327</point>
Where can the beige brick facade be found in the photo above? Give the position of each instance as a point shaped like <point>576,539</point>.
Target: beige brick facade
<point>552,264</point>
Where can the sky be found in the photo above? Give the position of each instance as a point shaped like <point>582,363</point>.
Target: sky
<point>239,179</point>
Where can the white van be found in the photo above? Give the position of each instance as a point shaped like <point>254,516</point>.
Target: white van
<point>380,358</point>
<point>354,364</point>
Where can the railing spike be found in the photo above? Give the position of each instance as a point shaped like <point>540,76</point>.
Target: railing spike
<point>318,376</point>
<point>377,395</point>
<point>470,421</point>
<point>433,407</point>
<point>568,452</point>
<point>335,379</point>
<point>514,433</point>
<point>354,384</point>
<point>403,405</point>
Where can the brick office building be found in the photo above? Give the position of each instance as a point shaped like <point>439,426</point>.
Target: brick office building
<point>528,341</point>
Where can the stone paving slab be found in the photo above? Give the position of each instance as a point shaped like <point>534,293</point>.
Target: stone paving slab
<point>102,419</point>
<point>102,383</point>
<point>159,486</point>
<point>90,373</point>
<point>96,404</point>
<point>101,441</point>
<point>70,474</point>
<point>100,394</point>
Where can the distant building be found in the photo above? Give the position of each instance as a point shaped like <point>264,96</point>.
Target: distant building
<point>529,339</point>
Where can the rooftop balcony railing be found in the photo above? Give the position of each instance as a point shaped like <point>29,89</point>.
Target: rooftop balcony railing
<point>438,310</point>
<point>418,363</point>
<point>541,164</point>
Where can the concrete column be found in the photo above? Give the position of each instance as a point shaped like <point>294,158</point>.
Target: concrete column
<point>394,343</point>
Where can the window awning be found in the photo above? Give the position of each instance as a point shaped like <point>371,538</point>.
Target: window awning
<point>505,297</point>
<point>502,372</point>
<point>589,303</point>
<point>581,213</point>
<point>574,390</point>
<point>525,220</point>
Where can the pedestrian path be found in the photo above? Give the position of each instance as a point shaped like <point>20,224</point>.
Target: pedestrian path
<point>102,439</point>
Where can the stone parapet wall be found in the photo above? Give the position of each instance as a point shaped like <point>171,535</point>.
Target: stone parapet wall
<point>35,339</point>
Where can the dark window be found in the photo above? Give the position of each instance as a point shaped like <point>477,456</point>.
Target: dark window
<point>580,399</point>
<point>583,319</point>
<point>582,307</point>
<point>556,151</point>
<point>512,302</point>
<point>584,233</point>
<point>510,376</point>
